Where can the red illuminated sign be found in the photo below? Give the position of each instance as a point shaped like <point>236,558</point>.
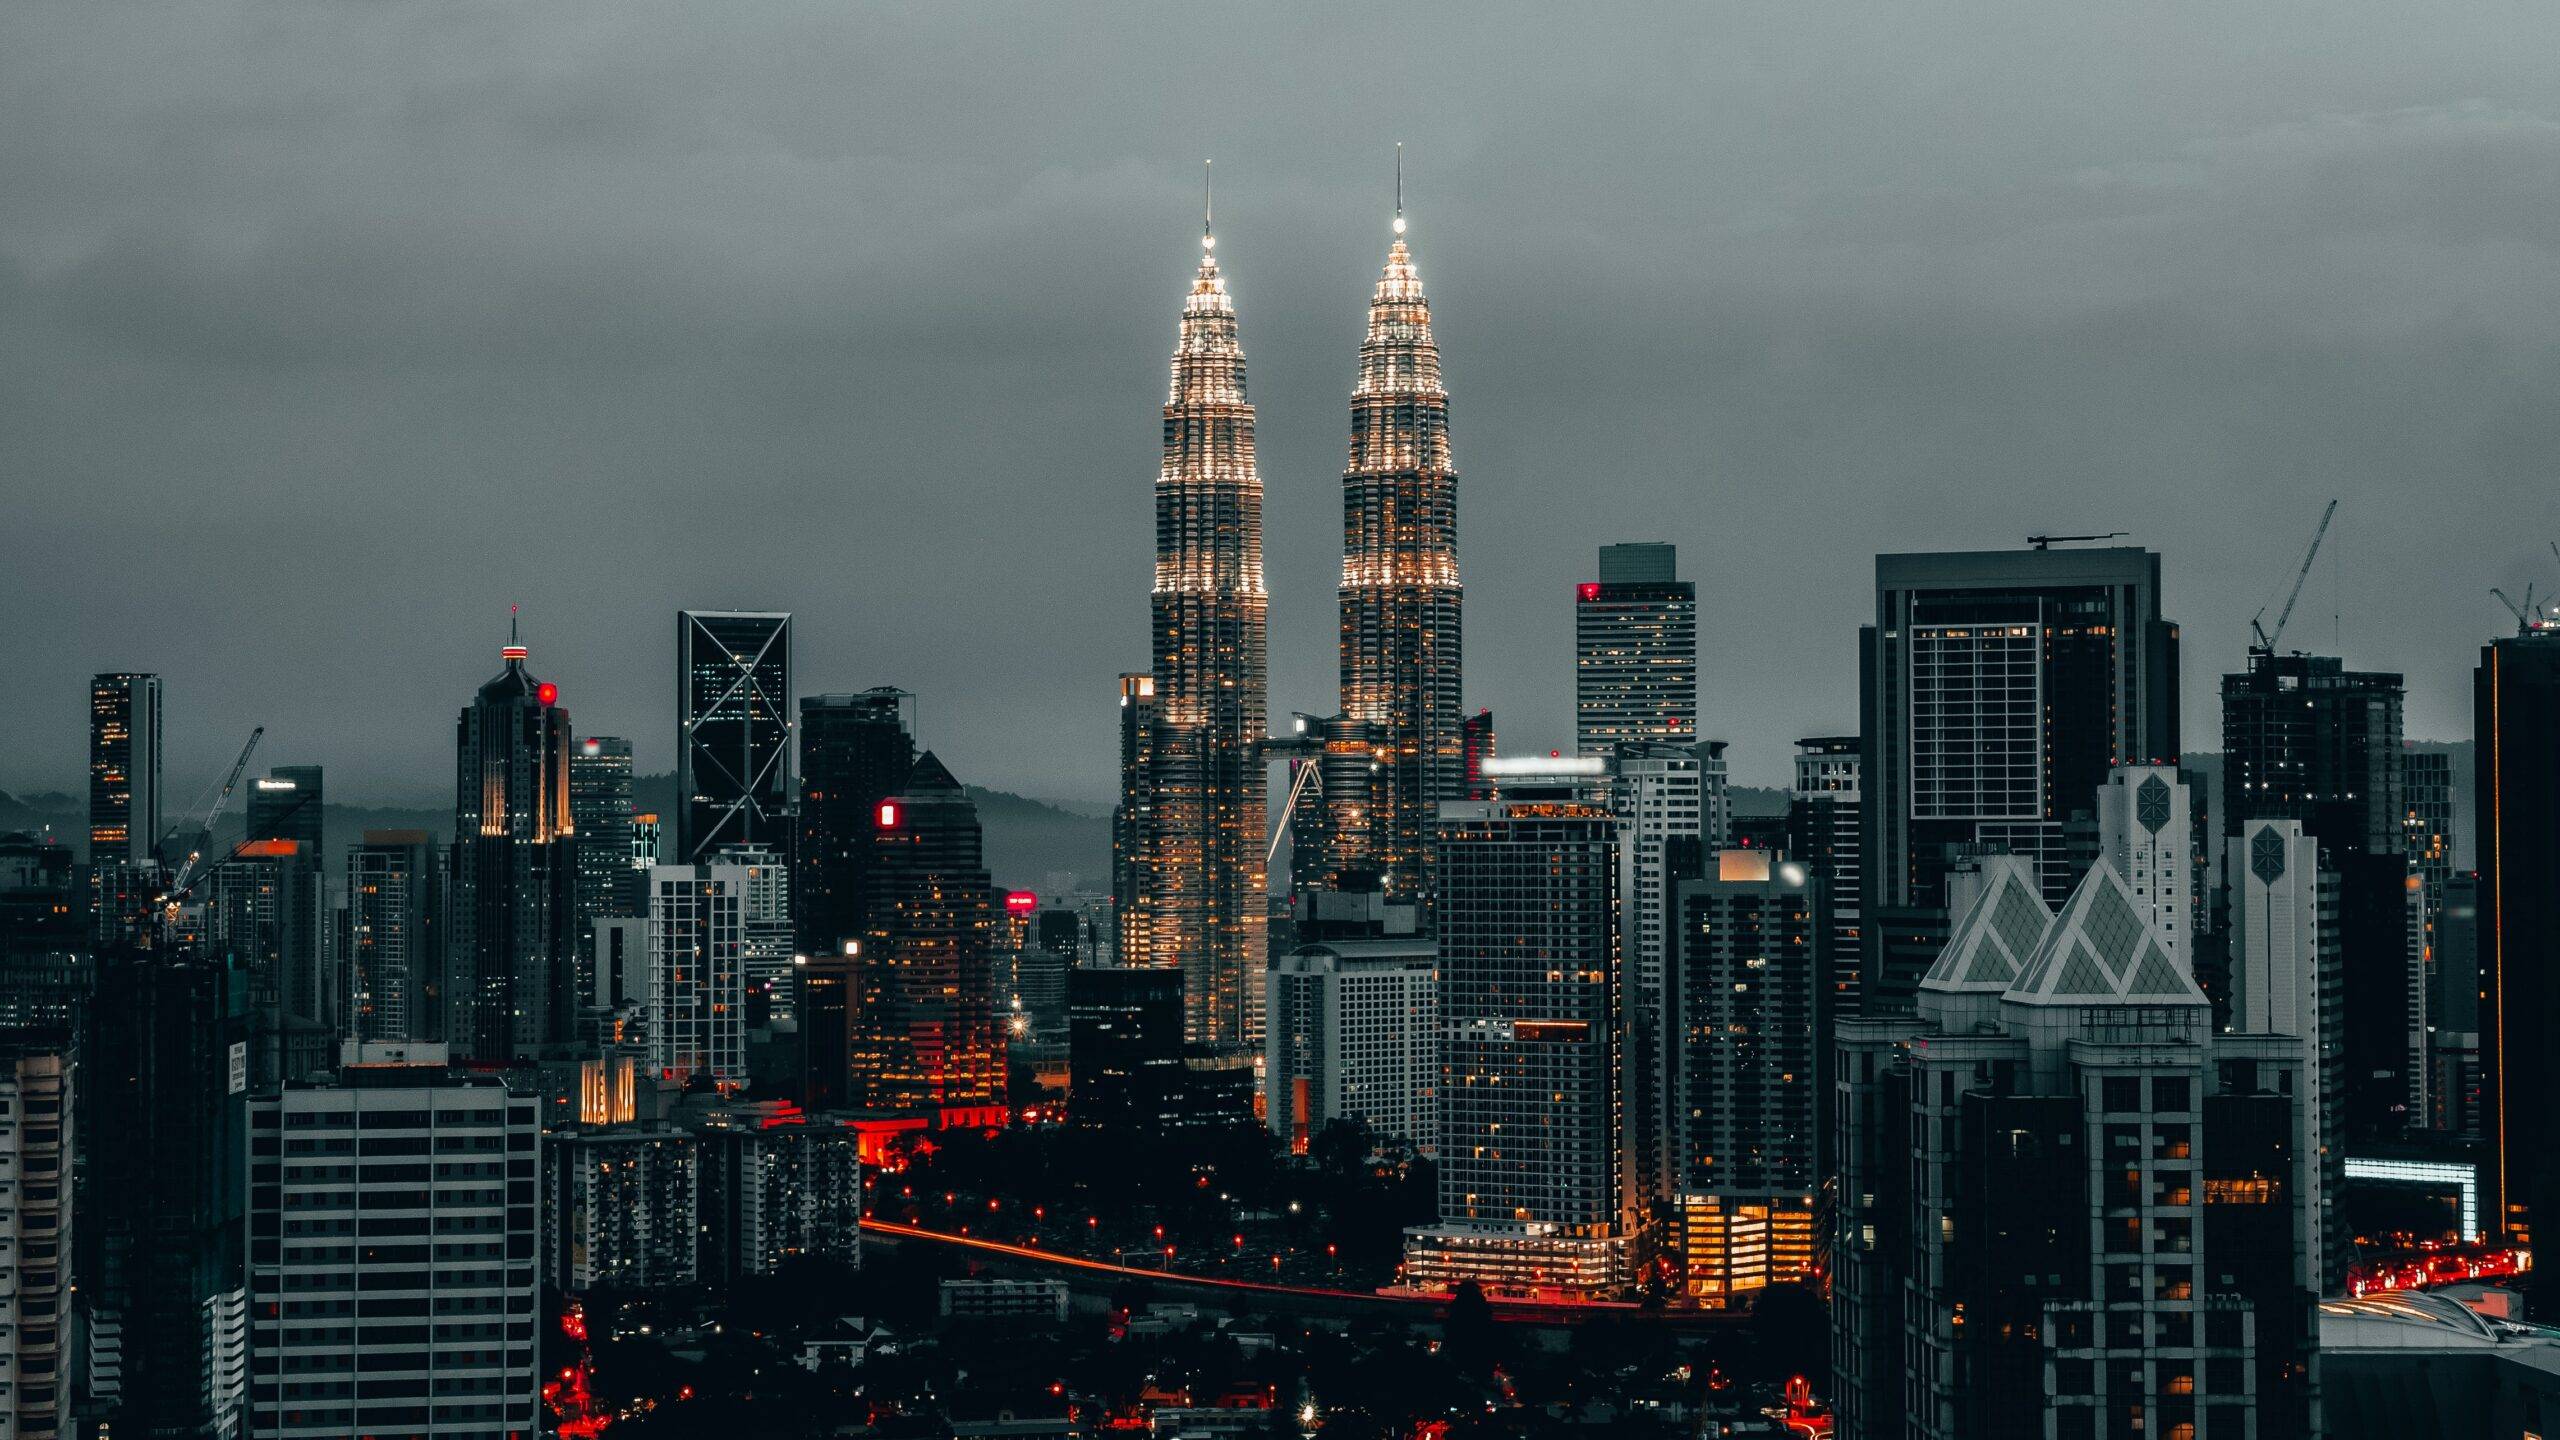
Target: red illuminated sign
<point>1588,589</point>
<point>1021,902</point>
<point>888,814</point>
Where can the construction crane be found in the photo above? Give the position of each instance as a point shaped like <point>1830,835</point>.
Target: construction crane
<point>2047,542</point>
<point>2266,639</point>
<point>213,815</point>
<point>2528,615</point>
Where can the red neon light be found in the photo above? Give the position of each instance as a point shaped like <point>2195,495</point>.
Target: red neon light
<point>1021,902</point>
<point>546,692</point>
<point>1588,589</point>
<point>888,814</point>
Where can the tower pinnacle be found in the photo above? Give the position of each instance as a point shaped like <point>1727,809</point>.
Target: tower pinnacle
<point>1208,208</point>
<point>1399,187</point>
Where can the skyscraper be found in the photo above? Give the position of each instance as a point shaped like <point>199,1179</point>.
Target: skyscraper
<point>2144,828</point>
<point>1354,1035</point>
<point>1475,746</point>
<point>1657,791</point>
<point>124,767</point>
<point>1999,688</point>
<point>462,1254</point>
<point>600,813</point>
<point>733,730</point>
<point>924,1031</point>
<point>288,804</point>
<point>512,955</point>
<point>1200,806</point>
<point>165,1078</point>
<point>1135,847</point>
<point>1635,651</point>
<point>1537,1192</point>
<point>2306,739</point>
<point>2066,1206</point>
<point>697,973</point>
<point>395,917</point>
<point>2515,712</point>
<point>1400,596</point>
<point>1752,1101</point>
<point>39,1349</point>
<point>854,753</point>
<point>2286,980</point>
<point>1825,829</point>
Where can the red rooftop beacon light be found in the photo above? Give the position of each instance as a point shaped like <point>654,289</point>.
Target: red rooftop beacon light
<point>1588,589</point>
<point>547,693</point>
<point>888,814</point>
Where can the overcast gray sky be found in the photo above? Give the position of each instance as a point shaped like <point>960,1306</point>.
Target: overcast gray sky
<point>326,331</point>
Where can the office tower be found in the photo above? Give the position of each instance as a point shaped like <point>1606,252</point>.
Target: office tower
<point>733,731</point>
<point>1354,1035</point>
<point>266,908</point>
<point>2306,739</point>
<point>830,986</point>
<point>2426,832</point>
<point>2457,1087</point>
<point>622,1209</point>
<point>1750,1077</point>
<point>1635,652</point>
<point>39,1346</point>
<point>697,978</point>
<point>925,1036</point>
<point>1475,746</point>
<point>1537,1194</point>
<point>124,767</point>
<point>647,842</point>
<point>458,1253</point>
<point>619,963</point>
<point>1337,783</point>
<point>1135,850</point>
<point>395,919</point>
<point>2285,980</point>
<point>2515,711</point>
<point>286,804</point>
<point>48,969</point>
<point>163,1082</point>
<point>511,953</point>
<point>2144,829</point>
<point>1400,596</point>
<point>1124,1048</point>
<point>1998,688</point>
<point>765,960</point>
<point>1193,785</point>
<point>600,814</point>
<point>854,752</point>
<point>777,1184</point>
<point>2067,1207</point>
<point>1658,795</point>
<point>1824,832</point>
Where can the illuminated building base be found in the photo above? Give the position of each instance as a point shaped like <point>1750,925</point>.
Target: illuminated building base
<point>1731,1246</point>
<point>1528,1262</point>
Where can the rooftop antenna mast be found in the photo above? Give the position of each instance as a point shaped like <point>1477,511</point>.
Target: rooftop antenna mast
<point>1399,187</point>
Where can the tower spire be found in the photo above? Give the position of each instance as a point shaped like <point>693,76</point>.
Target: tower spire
<point>1208,208</point>
<point>1399,187</point>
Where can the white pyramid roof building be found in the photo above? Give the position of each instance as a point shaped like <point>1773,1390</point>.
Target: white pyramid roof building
<point>1988,948</point>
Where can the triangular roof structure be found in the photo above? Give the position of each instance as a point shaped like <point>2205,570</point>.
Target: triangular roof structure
<point>1997,935</point>
<point>2102,950</point>
<point>930,777</point>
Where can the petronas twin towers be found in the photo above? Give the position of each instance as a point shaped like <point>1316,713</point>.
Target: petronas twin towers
<point>1192,835</point>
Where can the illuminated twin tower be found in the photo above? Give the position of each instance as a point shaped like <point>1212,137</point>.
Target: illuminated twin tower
<point>1191,837</point>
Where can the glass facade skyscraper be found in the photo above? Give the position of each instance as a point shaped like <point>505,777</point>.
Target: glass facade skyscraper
<point>855,751</point>
<point>124,767</point>
<point>513,957</point>
<point>733,731</point>
<point>1635,651</point>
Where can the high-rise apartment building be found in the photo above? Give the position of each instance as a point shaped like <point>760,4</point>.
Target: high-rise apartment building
<point>2306,739</point>
<point>39,1350</point>
<point>777,1184</point>
<point>621,1209</point>
<point>395,920</point>
<point>854,752</point>
<point>124,767</point>
<point>1635,652</point>
<point>2515,710</point>
<point>733,731</point>
<point>766,959</point>
<point>1825,824</point>
<point>383,1301</point>
<point>2426,833</point>
<point>1198,807</point>
<point>2286,980</point>
<point>1136,849</point>
<point>697,1009</point>
<point>1657,790</point>
<point>924,1032</point>
<point>2145,829</point>
<point>1354,1035</point>
<point>1998,689</point>
<point>1400,596</point>
<point>2066,1206</point>
<point>1537,1193</point>
<point>512,953</point>
<point>1124,1049</point>
<point>266,908</point>
<point>600,813</point>
<point>164,1082</point>
<point>1750,1100</point>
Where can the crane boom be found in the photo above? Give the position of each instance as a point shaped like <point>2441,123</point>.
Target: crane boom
<point>213,813</point>
<point>2267,638</point>
<point>2047,542</point>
